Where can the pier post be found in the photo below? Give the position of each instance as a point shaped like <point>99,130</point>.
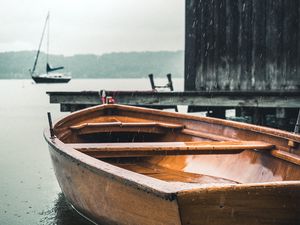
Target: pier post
<point>151,81</point>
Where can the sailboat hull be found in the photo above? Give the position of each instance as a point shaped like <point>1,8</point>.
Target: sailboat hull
<point>50,80</point>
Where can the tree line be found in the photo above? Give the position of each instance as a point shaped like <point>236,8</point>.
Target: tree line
<point>16,65</point>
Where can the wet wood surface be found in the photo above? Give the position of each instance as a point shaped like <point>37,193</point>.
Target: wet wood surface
<point>280,99</point>
<point>241,205</point>
<point>171,175</point>
<point>150,127</point>
<point>286,156</point>
<point>144,149</point>
<point>107,200</point>
<point>242,45</point>
<point>258,184</point>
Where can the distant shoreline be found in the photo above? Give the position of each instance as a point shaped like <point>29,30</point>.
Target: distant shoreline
<point>16,65</point>
<point>102,78</point>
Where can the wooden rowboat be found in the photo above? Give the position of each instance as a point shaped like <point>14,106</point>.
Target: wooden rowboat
<point>127,165</point>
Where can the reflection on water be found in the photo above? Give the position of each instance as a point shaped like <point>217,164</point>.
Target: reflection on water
<point>63,214</point>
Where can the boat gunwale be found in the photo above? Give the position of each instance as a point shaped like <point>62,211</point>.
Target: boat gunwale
<point>234,124</point>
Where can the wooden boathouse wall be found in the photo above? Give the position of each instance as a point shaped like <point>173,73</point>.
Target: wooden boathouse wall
<point>242,45</point>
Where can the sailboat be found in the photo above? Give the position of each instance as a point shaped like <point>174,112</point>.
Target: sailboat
<point>50,76</point>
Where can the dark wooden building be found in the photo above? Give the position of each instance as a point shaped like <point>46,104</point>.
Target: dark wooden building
<point>242,45</point>
<point>238,46</point>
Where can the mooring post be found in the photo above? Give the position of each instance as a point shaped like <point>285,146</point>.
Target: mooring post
<point>50,125</point>
<point>152,81</point>
<point>297,126</point>
<point>103,96</point>
<point>170,83</point>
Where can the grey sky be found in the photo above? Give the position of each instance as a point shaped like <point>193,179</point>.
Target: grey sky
<point>93,26</point>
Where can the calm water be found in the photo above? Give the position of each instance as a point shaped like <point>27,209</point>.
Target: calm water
<point>29,192</point>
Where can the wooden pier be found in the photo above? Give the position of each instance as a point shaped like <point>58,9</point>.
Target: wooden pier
<point>258,105</point>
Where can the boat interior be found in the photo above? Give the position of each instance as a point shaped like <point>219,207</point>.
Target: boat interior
<point>182,150</point>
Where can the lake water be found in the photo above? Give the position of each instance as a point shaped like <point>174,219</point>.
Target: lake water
<point>29,192</point>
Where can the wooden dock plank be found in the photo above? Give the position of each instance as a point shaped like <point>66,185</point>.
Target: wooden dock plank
<point>272,99</point>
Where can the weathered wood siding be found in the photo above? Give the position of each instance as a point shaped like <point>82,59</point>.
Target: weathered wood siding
<point>242,45</point>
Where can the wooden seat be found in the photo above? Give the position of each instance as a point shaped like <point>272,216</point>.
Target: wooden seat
<point>149,127</point>
<point>133,149</point>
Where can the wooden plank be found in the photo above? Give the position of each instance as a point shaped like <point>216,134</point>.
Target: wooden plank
<point>191,22</point>
<point>232,39</point>
<point>198,48</point>
<point>101,150</point>
<point>259,45</point>
<point>271,203</point>
<point>171,175</point>
<point>274,42</point>
<point>287,156</point>
<point>206,135</point>
<point>222,74</point>
<point>201,47</point>
<point>70,107</point>
<point>290,42</point>
<point>245,43</point>
<point>209,59</point>
<point>272,99</point>
<point>132,124</point>
<point>150,127</point>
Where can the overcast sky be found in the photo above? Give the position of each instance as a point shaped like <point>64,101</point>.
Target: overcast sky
<point>93,26</point>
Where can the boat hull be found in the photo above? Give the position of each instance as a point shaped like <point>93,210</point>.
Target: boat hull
<point>50,80</point>
<point>105,199</point>
<point>265,204</point>
<point>265,189</point>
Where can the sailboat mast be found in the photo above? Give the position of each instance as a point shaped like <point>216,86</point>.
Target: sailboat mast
<point>48,37</point>
<point>40,44</point>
